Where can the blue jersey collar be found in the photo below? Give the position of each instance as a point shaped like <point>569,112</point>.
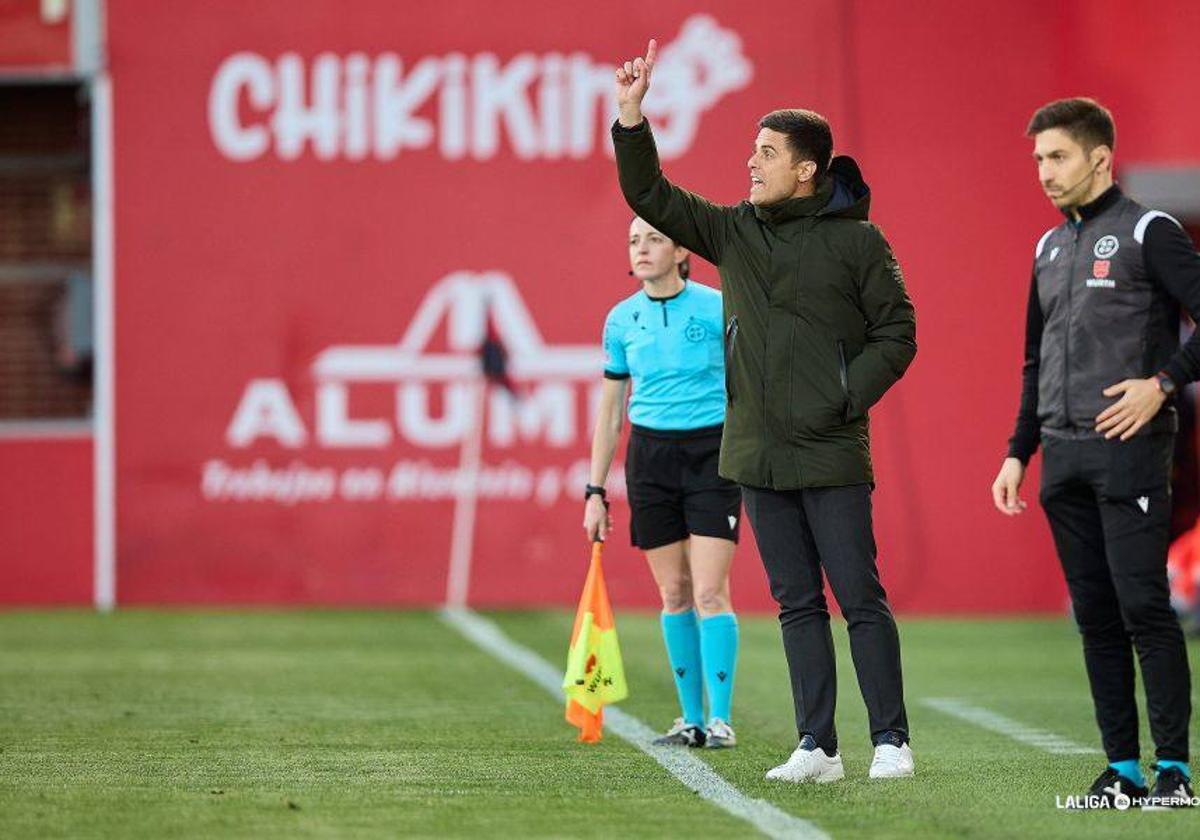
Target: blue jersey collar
<point>669,297</point>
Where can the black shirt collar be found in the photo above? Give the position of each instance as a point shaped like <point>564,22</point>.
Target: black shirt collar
<point>1097,206</point>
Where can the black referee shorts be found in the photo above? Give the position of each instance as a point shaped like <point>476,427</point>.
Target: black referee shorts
<point>674,490</point>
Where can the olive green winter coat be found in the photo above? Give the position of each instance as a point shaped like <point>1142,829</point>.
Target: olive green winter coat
<point>818,324</point>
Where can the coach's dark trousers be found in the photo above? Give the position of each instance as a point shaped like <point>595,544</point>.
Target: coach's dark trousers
<point>1109,506</point>
<point>799,533</point>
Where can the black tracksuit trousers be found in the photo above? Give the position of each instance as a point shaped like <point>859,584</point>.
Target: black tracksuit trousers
<point>1109,506</point>
<point>799,533</point>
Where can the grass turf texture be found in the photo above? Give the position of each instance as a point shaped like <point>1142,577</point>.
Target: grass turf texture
<point>320,724</point>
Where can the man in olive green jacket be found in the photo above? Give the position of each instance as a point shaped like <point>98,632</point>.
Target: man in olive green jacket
<point>818,327</point>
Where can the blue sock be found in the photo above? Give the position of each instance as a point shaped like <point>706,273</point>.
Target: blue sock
<point>682,635</point>
<point>1130,769</point>
<point>719,647</point>
<point>1181,766</point>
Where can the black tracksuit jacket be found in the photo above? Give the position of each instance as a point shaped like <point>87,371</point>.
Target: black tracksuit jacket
<point>1103,307</point>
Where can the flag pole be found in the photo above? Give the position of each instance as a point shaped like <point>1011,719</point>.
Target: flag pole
<point>462,537</point>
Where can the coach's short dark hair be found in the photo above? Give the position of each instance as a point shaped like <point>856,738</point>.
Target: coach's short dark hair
<point>1087,122</point>
<point>808,135</point>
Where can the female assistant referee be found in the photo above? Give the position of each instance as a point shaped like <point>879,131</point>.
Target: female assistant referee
<point>667,338</point>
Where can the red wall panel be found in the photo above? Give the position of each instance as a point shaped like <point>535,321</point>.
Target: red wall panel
<point>35,37</point>
<point>45,521</point>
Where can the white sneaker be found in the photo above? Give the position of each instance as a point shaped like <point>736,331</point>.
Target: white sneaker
<point>892,762</point>
<point>719,735</point>
<point>681,734</point>
<point>809,763</point>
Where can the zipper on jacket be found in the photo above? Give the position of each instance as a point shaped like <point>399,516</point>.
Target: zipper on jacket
<point>791,374</point>
<point>731,331</point>
<point>1067,339</point>
<point>844,375</point>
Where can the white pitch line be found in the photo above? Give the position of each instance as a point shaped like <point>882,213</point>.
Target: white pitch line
<point>690,770</point>
<point>995,722</point>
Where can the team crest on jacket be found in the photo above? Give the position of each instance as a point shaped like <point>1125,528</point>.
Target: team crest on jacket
<point>1106,247</point>
<point>1100,269</point>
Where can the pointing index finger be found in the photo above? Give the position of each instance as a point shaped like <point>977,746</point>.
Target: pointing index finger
<point>651,53</point>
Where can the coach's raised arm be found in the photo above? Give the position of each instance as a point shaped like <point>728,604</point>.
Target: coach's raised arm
<point>688,219</point>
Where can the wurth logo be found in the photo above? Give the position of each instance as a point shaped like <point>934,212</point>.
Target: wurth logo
<point>548,410</point>
<point>551,106</point>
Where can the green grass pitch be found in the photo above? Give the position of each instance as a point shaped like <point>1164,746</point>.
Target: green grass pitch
<point>388,724</point>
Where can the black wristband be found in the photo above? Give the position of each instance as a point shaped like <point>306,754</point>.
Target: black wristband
<point>595,490</point>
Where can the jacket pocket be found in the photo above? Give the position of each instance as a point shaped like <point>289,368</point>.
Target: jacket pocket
<point>815,392</point>
<point>844,378</point>
<point>731,331</point>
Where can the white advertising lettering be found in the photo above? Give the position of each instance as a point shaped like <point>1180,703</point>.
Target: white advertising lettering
<point>551,106</point>
<point>557,391</point>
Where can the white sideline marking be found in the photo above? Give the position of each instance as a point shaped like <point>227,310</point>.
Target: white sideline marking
<point>690,770</point>
<point>994,722</point>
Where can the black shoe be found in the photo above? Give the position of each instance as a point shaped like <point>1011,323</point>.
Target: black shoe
<point>681,735</point>
<point>1171,790</point>
<point>1111,790</point>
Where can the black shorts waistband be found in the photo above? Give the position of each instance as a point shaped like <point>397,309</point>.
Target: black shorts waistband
<point>678,434</point>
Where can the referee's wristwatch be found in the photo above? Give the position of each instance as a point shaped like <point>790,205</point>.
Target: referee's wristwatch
<point>595,490</point>
<point>1166,384</point>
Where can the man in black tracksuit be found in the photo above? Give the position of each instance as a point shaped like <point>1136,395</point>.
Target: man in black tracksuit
<point>1102,366</point>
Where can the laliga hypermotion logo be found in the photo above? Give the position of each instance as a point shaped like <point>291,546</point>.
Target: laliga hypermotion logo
<point>549,410</point>
<point>551,106</point>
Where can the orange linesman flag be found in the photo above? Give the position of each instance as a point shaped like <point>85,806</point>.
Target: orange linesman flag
<point>595,675</point>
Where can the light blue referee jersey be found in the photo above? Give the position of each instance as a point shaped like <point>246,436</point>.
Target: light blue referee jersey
<point>673,349</point>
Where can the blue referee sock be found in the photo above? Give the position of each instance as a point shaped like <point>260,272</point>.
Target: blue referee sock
<point>1181,766</point>
<point>719,648</point>
<point>682,635</point>
<point>1130,769</point>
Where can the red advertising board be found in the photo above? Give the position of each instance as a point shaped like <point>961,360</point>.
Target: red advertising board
<point>45,519</point>
<point>318,205</point>
<point>35,37</point>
